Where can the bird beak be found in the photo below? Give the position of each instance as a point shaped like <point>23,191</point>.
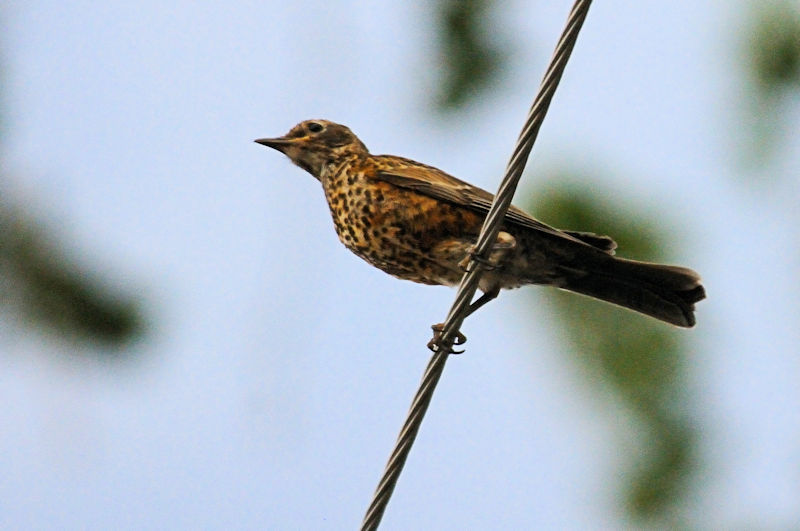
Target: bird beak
<point>280,143</point>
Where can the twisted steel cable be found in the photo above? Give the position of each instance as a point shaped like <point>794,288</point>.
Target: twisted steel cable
<point>470,280</point>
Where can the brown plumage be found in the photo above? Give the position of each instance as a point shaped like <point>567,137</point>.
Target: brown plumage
<point>418,223</point>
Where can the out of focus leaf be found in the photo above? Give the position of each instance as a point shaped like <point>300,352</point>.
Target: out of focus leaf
<point>774,46</point>
<point>39,283</point>
<point>772,53</point>
<point>640,359</point>
<point>469,58</point>
<point>41,287</point>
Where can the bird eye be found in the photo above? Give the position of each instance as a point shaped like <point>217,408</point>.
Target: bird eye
<point>315,127</point>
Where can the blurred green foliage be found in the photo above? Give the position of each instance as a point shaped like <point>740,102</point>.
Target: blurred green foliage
<point>41,286</point>
<point>638,358</point>
<point>469,54</point>
<point>771,64</point>
<point>774,45</point>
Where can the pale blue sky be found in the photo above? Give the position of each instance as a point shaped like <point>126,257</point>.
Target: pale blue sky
<point>272,387</point>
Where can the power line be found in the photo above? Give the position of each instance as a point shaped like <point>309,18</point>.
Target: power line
<point>469,283</point>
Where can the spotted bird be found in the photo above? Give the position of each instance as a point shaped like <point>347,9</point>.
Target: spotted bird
<point>418,223</point>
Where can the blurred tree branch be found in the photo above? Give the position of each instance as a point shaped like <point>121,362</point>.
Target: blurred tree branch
<point>38,284</point>
<point>470,57</point>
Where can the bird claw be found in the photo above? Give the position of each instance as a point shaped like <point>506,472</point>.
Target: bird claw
<point>434,345</point>
<point>485,263</point>
<point>500,250</point>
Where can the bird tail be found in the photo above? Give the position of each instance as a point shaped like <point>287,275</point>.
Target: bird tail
<point>665,292</point>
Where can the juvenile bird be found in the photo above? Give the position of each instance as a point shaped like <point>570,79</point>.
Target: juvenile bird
<point>418,223</point>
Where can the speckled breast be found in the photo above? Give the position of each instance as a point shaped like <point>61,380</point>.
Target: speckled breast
<point>403,233</point>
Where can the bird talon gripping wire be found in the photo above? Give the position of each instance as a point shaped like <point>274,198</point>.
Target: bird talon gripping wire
<point>435,344</point>
<point>472,258</point>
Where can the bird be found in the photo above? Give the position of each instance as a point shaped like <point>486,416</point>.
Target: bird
<point>418,223</point>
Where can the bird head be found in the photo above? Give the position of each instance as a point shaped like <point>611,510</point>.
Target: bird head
<point>313,144</point>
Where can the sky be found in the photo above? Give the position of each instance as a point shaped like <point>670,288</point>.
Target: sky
<point>279,367</point>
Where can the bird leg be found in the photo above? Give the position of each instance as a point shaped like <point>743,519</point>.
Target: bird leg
<point>503,245</point>
<point>500,251</point>
<point>480,301</point>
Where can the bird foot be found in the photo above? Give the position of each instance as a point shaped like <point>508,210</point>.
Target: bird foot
<point>502,247</point>
<point>486,263</point>
<point>434,345</point>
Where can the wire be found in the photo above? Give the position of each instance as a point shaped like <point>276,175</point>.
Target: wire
<point>469,283</point>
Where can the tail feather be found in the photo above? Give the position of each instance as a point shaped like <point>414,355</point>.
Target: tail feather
<point>665,292</point>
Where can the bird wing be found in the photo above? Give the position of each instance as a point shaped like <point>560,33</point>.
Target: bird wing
<point>437,184</point>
